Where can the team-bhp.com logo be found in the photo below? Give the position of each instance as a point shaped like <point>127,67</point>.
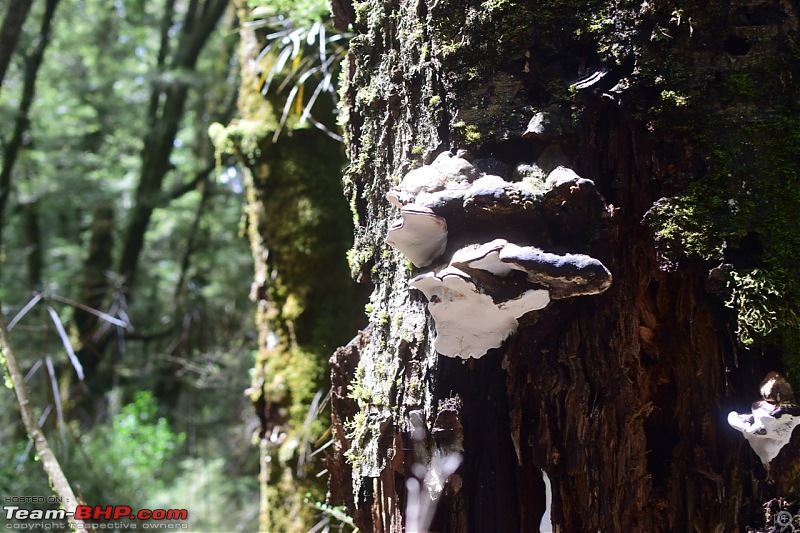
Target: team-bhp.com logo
<point>93,513</point>
<point>118,512</point>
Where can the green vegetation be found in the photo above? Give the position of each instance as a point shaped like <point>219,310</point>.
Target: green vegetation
<point>117,202</point>
<point>742,208</point>
<point>133,121</point>
<point>135,459</point>
<point>134,454</point>
<point>755,297</point>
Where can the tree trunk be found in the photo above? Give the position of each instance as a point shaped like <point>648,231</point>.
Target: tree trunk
<point>10,32</point>
<point>33,244</point>
<point>165,115</point>
<point>15,142</point>
<point>681,117</point>
<point>299,231</point>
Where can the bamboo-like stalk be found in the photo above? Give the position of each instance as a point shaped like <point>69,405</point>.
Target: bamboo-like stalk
<point>49,461</point>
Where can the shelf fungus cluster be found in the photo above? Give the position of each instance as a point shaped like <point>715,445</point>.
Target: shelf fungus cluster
<point>454,219</point>
<point>769,425</point>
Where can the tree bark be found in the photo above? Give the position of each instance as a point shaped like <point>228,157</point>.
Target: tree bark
<point>50,464</point>
<point>33,244</point>
<point>620,398</point>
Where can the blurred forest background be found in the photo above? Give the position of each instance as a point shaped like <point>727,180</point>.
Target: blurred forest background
<point>126,265</point>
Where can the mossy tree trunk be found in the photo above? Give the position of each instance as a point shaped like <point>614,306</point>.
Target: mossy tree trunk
<point>684,116</point>
<point>299,229</point>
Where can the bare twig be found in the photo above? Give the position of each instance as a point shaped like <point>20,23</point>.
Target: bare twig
<point>28,306</point>
<point>91,310</point>
<point>51,373</point>
<point>49,461</point>
<point>62,333</point>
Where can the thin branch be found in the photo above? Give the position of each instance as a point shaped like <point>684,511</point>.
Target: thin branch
<point>186,187</point>
<point>147,337</point>
<point>36,366</point>
<point>66,342</point>
<point>24,311</point>
<point>49,461</point>
<point>192,241</point>
<point>91,310</point>
<point>51,373</point>
<point>163,52</point>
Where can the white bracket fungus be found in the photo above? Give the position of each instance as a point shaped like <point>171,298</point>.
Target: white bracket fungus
<point>478,296</point>
<point>476,302</point>
<point>565,275</point>
<point>445,172</point>
<point>468,322</point>
<point>768,428</point>
<point>419,234</point>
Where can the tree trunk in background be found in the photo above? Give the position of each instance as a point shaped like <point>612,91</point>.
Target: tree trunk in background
<point>33,244</point>
<point>10,32</point>
<point>307,304</point>
<point>685,119</point>
<point>166,114</point>
<point>15,142</point>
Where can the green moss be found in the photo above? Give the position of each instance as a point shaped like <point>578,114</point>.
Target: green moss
<point>468,134</point>
<point>358,430</point>
<point>6,375</point>
<point>741,206</point>
<point>740,84</point>
<point>243,138</point>
<point>362,11</point>
<point>471,40</point>
<point>671,99</point>
<point>416,390</point>
<point>685,225</point>
<point>355,388</point>
<point>383,317</point>
<point>750,191</point>
<point>358,257</point>
<point>755,296</point>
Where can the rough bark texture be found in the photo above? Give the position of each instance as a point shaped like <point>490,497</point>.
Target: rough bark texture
<point>621,398</point>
